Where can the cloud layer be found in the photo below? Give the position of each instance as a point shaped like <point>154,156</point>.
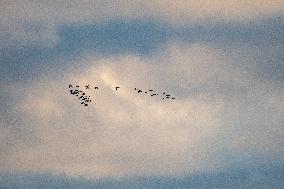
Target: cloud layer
<point>222,60</point>
<point>182,10</point>
<point>223,115</point>
<point>35,23</point>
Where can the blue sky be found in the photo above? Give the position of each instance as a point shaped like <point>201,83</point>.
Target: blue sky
<point>223,61</point>
<point>261,177</point>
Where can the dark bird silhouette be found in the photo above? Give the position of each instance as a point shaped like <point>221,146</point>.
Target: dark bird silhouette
<point>87,86</point>
<point>96,87</point>
<point>116,88</point>
<point>74,92</point>
<point>139,91</point>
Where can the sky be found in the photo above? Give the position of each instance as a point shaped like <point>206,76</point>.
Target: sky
<point>223,61</point>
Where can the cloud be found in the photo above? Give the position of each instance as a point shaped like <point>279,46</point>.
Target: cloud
<point>183,10</point>
<point>125,134</point>
<point>34,23</point>
<point>218,11</point>
<point>19,33</point>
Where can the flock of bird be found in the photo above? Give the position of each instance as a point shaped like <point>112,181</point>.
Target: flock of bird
<point>154,94</point>
<point>85,100</point>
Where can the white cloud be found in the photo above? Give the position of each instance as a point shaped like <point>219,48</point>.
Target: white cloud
<point>122,133</point>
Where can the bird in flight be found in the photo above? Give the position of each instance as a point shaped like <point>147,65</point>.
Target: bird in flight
<point>85,100</point>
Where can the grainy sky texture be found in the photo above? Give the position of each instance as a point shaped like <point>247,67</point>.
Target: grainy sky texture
<point>223,60</point>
